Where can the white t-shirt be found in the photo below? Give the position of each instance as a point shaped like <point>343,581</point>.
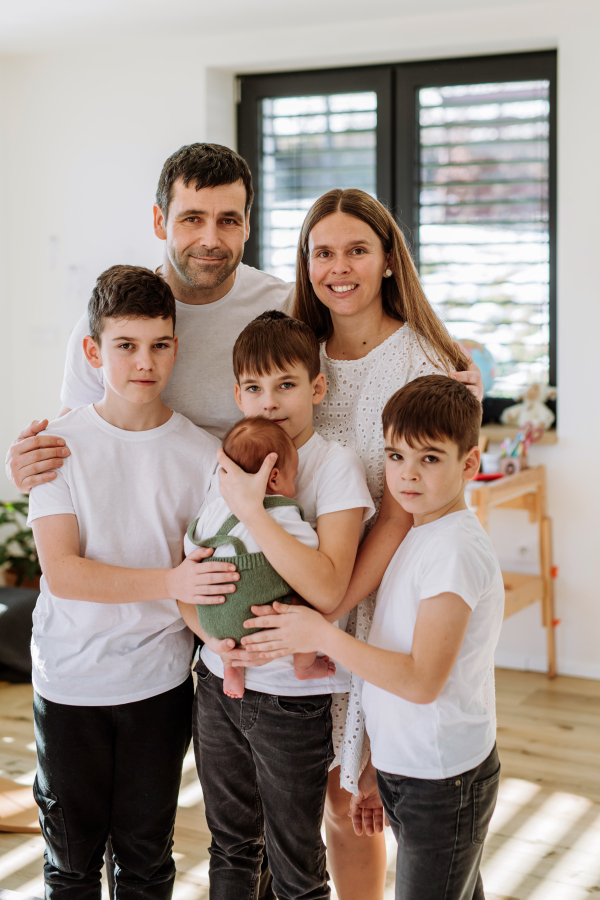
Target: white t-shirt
<point>202,382</point>
<point>456,732</point>
<point>330,478</point>
<point>134,493</point>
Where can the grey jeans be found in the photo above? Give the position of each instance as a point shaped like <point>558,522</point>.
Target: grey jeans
<point>440,827</point>
<point>263,763</point>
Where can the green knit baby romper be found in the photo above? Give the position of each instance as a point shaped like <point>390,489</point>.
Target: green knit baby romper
<point>258,585</point>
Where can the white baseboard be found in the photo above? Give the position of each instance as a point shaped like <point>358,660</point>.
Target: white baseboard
<point>505,659</point>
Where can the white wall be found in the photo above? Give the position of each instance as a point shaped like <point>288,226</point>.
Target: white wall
<point>86,129</point>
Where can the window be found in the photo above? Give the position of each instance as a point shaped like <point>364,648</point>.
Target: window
<point>462,151</point>
<point>310,145</point>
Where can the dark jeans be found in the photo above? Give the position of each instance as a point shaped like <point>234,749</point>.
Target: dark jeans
<point>111,770</point>
<point>263,763</point>
<point>440,827</point>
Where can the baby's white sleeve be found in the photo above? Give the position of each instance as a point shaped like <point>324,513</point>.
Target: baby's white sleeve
<point>291,521</point>
<point>189,546</point>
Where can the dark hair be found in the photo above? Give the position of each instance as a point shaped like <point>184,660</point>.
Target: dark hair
<point>402,295</point>
<point>252,439</point>
<point>207,165</point>
<point>434,407</point>
<point>272,342</point>
<point>129,292</point>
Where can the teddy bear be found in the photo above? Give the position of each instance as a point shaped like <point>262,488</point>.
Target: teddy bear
<point>532,407</point>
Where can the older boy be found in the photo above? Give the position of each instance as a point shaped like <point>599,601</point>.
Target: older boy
<point>430,655</point>
<point>111,671</point>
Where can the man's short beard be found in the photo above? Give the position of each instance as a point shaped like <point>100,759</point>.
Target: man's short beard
<point>203,279</point>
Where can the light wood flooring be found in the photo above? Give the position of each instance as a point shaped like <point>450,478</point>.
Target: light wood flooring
<point>544,842</point>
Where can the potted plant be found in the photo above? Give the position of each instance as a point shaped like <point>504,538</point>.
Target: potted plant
<point>18,555</point>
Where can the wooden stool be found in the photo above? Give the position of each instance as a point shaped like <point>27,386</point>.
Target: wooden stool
<point>526,490</point>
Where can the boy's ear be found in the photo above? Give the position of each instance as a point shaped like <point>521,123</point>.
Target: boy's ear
<point>92,352</point>
<point>472,463</point>
<point>175,348</point>
<point>273,477</point>
<point>319,389</point>
<point>238,396</point>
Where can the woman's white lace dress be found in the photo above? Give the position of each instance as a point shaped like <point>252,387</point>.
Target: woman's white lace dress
<point>357,391</point>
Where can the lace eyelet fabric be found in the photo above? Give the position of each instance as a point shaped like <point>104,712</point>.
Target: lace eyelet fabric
<point>357,391</point>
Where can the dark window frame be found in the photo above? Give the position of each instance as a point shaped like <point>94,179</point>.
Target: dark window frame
<point>398,171</point>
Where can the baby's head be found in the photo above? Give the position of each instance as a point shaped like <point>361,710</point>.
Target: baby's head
<point>277,368</point>
<point>251,440</point>
<point>431,431</point>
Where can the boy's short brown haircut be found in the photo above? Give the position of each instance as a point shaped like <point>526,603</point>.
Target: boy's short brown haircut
<point>273,342</point>
<point>129,292</point>
<point>433,407</point>
<point>252,439</point>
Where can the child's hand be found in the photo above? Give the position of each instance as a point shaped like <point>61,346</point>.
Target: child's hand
<point>201,583</point>
<point>366,809</point>
<point>243,493</point>
<point>234,656</point>
<point>296,629</point>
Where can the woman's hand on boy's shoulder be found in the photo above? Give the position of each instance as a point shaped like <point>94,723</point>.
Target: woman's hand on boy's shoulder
<point>471,377</point>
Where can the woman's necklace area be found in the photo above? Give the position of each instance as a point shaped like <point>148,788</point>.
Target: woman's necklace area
<point>352,347</point>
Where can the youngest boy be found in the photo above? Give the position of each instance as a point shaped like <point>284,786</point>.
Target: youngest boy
<point>247,444</point>
<point>428,665</point>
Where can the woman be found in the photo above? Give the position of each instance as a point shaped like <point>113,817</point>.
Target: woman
<point>358,289</point>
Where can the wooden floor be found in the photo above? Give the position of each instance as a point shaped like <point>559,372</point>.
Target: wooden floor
<point>544,842</point>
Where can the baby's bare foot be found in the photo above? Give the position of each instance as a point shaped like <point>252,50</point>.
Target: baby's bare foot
<point>322,667</point>
<point>233,682</point>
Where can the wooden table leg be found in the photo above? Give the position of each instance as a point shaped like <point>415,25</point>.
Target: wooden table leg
<point>548,598</point>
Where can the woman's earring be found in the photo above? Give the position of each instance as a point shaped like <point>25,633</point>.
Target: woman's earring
<point>387,273</point>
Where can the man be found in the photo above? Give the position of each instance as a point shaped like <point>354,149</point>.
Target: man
<point>202,214</point>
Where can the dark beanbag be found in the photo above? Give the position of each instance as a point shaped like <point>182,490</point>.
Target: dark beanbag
<point>16,611</point>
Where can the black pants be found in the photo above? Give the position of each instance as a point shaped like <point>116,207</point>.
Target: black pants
<point>111,770</point>
<point>440,827</point>
<point>263,763</point>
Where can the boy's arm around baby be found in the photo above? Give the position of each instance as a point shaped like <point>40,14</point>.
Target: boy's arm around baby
<point>418,676</point>
<point>72,577</point>
<point>319,576</point>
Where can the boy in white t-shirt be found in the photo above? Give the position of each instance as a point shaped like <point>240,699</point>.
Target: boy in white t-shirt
<point>428,665</point>
<point>247,444</point>
<point>111,670</point>
<point>263,761</point>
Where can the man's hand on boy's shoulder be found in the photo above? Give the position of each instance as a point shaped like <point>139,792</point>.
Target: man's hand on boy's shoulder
<point>201,583</point>
<point>32,457</point>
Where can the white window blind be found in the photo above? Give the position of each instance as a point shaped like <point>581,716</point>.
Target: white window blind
<point>483,221</point>
<point>310,145</point>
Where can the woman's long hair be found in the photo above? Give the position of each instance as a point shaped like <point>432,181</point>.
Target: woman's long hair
<point>402,294</point>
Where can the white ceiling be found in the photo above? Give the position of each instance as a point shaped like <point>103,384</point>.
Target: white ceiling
<point>29,24</point>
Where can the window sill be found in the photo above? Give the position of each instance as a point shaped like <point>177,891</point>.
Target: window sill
<point>496,434</point>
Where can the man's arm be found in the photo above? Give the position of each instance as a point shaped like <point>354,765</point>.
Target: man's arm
<point>418,676</point>
<point>33,457</point>
<point>72,577</point>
